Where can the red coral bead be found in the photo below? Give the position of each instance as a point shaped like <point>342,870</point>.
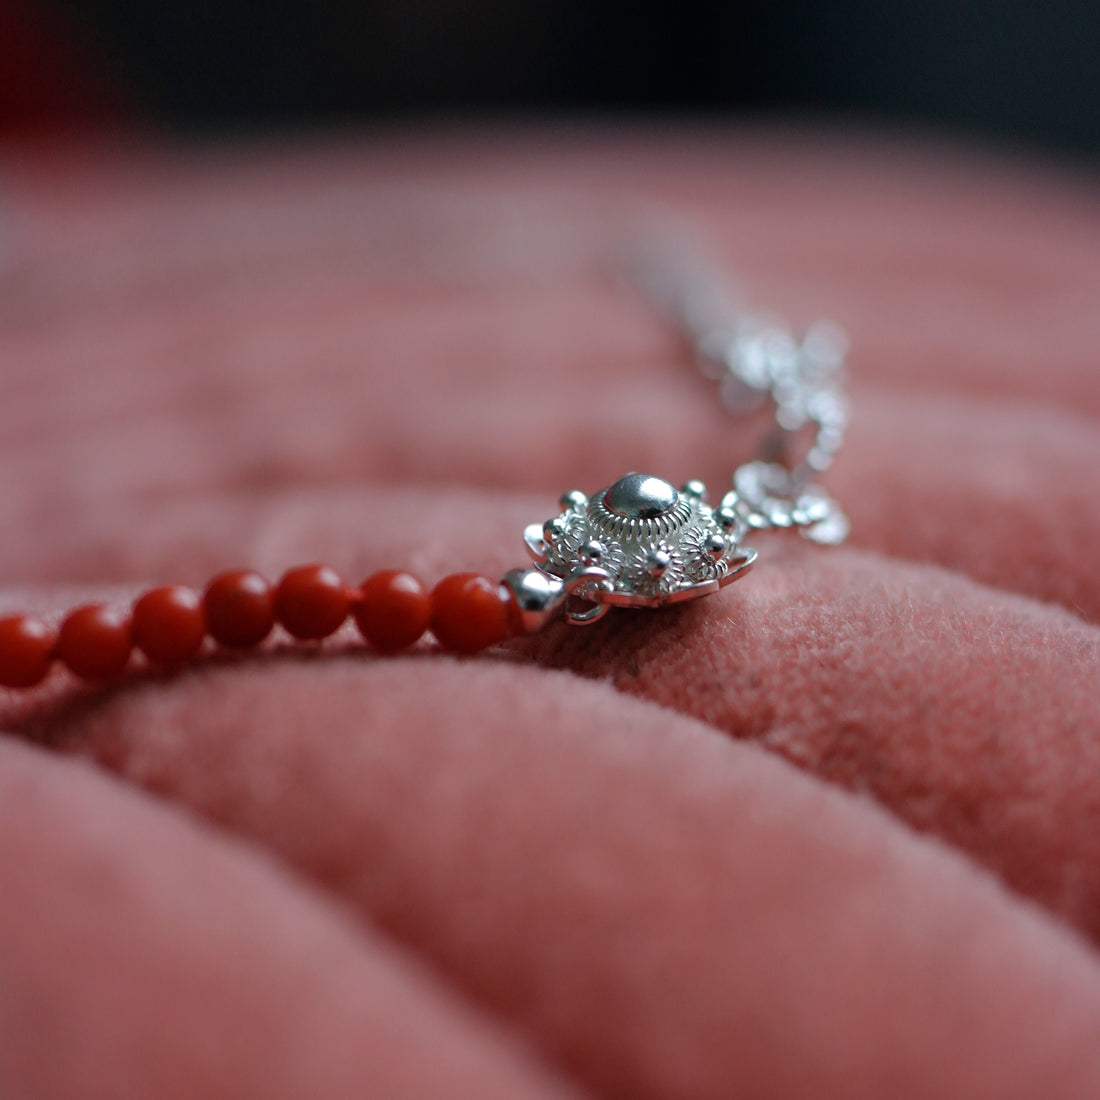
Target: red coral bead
<point>240,609</point>
<point>169,625</point>
<point>95,641</point>
<point>312,601</point>
<point>393,610</point>
<point>469,612</point>
<point>26,650</point>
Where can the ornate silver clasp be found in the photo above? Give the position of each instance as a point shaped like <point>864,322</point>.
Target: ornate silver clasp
<point>637,543</point>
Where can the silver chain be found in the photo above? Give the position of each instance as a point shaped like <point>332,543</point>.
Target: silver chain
<point>760,367</point>
<point>641,543</point>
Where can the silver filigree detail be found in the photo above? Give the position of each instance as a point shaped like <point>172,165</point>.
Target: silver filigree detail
<point>653,543</point>
<point>642,528</point>
<point>564,534</point>
<point>766,495</point>
<point>655,570</point>
<point>701,561</point>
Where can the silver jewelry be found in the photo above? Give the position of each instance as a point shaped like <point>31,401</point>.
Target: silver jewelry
<point>640,542</point>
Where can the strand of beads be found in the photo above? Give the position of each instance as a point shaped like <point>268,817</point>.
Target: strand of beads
<point>392,609</point>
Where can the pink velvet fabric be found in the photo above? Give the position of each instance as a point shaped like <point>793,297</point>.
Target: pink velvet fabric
<point>834,833</point>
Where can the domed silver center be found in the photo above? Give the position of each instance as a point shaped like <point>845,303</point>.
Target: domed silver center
<point>640,496</point>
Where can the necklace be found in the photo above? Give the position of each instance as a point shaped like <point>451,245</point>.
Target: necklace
<point>639,542</point>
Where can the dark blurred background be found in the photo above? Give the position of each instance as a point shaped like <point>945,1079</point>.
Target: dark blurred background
<point>1005,71</point>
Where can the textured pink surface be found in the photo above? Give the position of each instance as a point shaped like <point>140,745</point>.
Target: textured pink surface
<point>833,833</point>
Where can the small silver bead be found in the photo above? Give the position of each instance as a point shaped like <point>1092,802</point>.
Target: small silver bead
<point>536,597</point>
<point>694,489</point>
<point>573,501</point>
<point>715,544</point>
<point>591,553</point>
<point>657,563</point>
<point>727,519</point>
<point>553,529</point>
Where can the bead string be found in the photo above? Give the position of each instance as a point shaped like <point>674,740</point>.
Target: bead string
<point>238,610</point>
